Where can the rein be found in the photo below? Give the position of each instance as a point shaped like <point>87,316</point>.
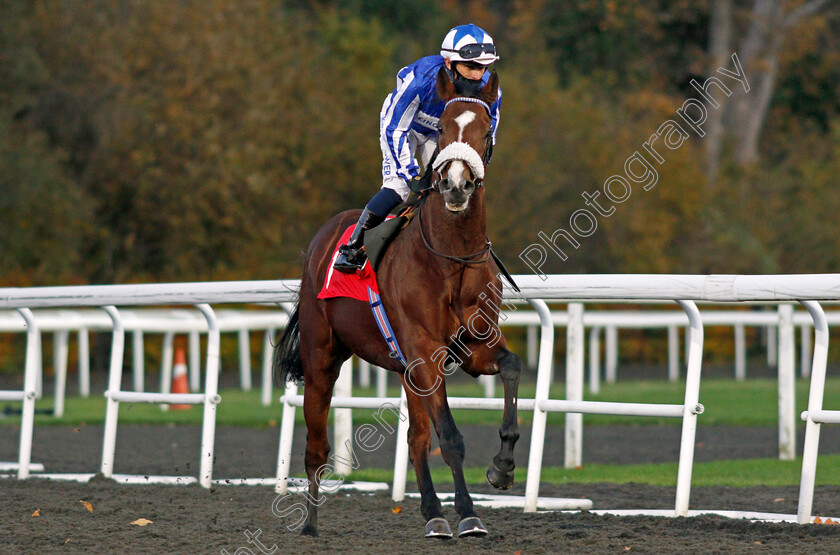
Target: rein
<point>468,259</point>
<point>476,257</point>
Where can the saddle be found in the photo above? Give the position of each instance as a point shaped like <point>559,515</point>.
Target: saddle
<point>379,238</point>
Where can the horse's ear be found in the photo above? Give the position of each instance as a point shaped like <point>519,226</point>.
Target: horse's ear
<point>490,91</point>
<point>445,87</point>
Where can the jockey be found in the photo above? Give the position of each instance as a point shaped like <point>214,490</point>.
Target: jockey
<point>408,125</point>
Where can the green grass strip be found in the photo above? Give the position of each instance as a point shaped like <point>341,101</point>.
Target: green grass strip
<point>740,473</point>
<point>750,403</point>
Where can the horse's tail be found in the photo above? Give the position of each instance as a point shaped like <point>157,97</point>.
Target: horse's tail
<point>286,361</point>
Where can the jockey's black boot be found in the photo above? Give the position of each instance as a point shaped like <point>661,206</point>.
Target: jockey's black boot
<point>351,257</point>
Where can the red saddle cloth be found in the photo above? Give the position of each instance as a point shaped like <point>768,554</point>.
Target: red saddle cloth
<point>354,286</point>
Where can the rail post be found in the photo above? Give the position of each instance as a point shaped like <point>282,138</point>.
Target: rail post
<point>574,385</point>
<point>266,367</point>
<point>611,355</point>
<point>815,399</point>
<point>27,417</point>
<point>772,347</point>
<point>343,421</point>
<point>691,407</point>
<point>595,360</point>
<point>244,359</point>
<point>364,373</point>
<point>112,409</point>
<point>533,345</point>
<point>673,353</point>
<point>84,362</point>
<point>805,356</point>
<point>138,362</point>
<point>195,361</point>
<point>166,356</point>
<point>787,385</point>
<point>401,454</point>
<point>60,354</point>
<point>740,353</point>
<point>381,382</point>
<point>211,396</point>
<point>287,432</point>
<point>532,482</point>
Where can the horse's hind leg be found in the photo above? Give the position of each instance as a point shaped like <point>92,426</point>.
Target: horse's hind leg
<point>317,395</point>
<point>322,356</point>
<point>419,443</point>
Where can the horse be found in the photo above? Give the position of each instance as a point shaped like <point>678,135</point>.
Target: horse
<point>441,290</point>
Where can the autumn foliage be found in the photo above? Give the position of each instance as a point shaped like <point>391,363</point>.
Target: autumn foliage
<point>205,140</point>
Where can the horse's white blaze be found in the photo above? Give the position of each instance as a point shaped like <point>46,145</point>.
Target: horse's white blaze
<point>463,121</point>
<point>457,171</point>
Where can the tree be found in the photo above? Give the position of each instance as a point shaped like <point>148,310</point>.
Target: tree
<point>768,25</point>
<point>44,214</point>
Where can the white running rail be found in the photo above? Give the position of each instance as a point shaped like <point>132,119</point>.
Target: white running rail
<point>680,288</point>
<point>108,297</point>
<point>140,323</point>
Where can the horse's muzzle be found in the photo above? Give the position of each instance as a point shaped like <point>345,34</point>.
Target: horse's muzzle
<point>456,196</point>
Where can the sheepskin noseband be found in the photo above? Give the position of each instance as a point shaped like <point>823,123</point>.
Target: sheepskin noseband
<point>465,153</point>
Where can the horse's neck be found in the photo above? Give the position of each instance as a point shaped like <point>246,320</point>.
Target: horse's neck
<point>456,234</point>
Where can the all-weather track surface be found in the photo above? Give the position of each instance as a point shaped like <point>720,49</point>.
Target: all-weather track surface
<point>188,519</point>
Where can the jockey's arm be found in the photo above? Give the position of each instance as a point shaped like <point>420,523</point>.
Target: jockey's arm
<point>398,113</point>
<point>495,114</point>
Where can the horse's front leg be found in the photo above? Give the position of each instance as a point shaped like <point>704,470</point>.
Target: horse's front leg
<point>482,359</point>
<point>426,381</point>
<point>500,471</point>
<point>419,443</point>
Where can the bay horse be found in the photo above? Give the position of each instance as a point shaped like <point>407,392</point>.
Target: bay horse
<point>441,291</point>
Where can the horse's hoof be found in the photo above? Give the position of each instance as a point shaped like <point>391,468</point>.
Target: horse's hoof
<point>471,526</point>
<point>309,531</point>
<point>499,479</point>
<point>438,528</point>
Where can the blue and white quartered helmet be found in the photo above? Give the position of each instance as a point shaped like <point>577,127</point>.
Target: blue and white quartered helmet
<point>469,43</point>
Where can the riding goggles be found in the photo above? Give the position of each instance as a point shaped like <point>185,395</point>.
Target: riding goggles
<point>473,51</point>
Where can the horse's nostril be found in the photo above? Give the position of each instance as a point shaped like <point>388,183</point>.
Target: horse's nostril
<point>469,186</point>
<point>445,185</point>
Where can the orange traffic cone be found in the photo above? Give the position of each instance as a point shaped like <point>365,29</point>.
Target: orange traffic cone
<point>179,377</point>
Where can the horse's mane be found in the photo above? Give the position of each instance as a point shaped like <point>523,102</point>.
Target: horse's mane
<point>467,87</point>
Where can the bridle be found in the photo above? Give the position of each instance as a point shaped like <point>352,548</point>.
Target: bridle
<point>483,255</point>
<point>488,138</point>
<point>467,99</point>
